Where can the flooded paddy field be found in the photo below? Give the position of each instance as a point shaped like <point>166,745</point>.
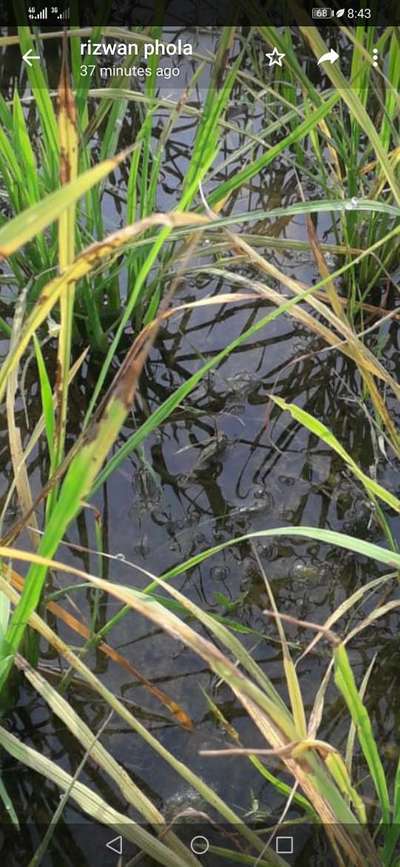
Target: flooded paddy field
<point>226,463</point>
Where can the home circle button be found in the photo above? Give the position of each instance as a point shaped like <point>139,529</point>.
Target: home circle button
<point>199,845</point>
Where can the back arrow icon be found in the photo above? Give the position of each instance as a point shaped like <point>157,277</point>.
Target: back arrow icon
<point>330,56</point>
<point>115,845</point>
<point>28,56</point>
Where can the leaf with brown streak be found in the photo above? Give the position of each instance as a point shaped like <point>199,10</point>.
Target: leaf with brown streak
<point>323,269</point>
<point>68,136</point>
<point>182,718</point>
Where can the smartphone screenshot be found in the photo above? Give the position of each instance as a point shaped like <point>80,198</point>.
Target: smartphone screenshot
<point>200,434</point>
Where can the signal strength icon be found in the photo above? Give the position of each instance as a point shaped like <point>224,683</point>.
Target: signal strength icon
<point>60,14</point>
<point>34,15</point>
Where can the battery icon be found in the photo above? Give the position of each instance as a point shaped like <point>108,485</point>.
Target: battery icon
<point>323,12</point>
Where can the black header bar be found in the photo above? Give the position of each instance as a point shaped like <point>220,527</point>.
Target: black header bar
<point>197,13</point>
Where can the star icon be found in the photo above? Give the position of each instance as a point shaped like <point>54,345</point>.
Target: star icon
<point>274,57</point>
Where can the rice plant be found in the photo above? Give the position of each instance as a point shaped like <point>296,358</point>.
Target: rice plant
<point>355,151</point>
<point>100,299</point>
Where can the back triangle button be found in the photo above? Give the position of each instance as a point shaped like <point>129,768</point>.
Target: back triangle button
<point>115,845</point>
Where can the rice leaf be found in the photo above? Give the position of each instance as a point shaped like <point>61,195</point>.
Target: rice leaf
<point>320,430</point>
<point>344,679</point>
<point>29,223</point>
<point>91,803</point>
